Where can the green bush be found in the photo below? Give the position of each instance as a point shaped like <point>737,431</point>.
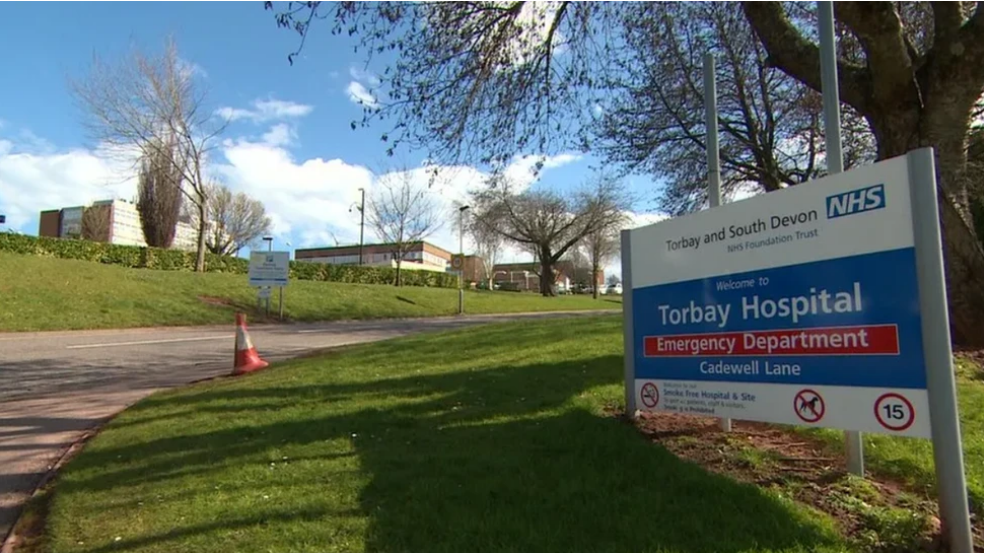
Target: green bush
<point>136,257</point>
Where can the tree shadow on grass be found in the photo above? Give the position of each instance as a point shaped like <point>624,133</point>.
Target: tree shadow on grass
<point>504,458</point>
<point>573,483</point>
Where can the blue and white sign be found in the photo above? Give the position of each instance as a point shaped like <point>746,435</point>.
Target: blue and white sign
<point>269,268</point>
<point>799,306</point>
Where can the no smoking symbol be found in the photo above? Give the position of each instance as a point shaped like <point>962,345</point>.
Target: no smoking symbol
<point>650,395</point>
<point>809,406</point>
<point>894,412</point>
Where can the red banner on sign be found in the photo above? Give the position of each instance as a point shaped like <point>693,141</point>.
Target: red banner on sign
<point>843,340</point>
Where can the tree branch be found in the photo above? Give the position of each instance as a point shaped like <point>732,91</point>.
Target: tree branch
<point>800,58</point>
<point>879,29</point>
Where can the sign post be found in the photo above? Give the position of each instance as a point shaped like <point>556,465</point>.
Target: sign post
<point>853,444</point>
<point>713,153</point>
<point>944,418</point>
<point>458,266</point>
<point>819,305</point>
<point>267,270</point>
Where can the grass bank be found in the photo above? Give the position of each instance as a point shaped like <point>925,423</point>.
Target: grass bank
<point>910,460</point>
<point>44,293</point>
<point>485,440</point>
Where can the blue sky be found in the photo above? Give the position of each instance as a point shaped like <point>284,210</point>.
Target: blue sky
<point>290,144</point>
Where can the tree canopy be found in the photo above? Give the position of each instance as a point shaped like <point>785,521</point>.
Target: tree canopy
<point>481,81</point>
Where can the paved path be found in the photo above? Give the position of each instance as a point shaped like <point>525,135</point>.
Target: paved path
<point>57,385</point>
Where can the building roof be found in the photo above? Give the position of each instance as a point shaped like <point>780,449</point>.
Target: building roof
<point>327,249</point>
<point>530,265</point>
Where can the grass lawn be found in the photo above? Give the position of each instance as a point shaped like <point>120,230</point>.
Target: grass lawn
<point>910,460</point>
<point>484,440</point>
<point>41,293</point>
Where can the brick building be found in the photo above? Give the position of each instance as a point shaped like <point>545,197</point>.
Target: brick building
<point>420,255</point>
<point>525,275</point>
<point>112,221</point>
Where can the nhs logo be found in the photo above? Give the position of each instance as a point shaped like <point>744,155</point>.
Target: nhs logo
<point>856,201</point>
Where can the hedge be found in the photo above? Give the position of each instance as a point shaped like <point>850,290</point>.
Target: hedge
<point>137,257</point>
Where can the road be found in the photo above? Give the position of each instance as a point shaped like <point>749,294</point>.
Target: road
<point>58,385</point>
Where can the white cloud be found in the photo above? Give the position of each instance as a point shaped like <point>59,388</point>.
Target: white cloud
<point>191,69</point>
<point>280,134</point>
<point>637,219</point>
<point>31,182</point>
<point>266,110</point>
<point>363,75</point>
<point>521,171</point>
<point>360,95</point>
<point>308,200</point>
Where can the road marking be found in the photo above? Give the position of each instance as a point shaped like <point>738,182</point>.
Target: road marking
<point>149,342</point>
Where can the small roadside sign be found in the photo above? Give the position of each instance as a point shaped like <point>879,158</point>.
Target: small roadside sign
<point>457,262</point>
<point>269,268</point>
<point>263,292</point>
<point>3,219</point>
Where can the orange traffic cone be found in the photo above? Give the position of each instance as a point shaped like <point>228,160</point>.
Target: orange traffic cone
<point>247,360</point>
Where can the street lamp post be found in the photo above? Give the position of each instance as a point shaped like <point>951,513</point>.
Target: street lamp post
<point>362,221</point>
<point>461,252</point>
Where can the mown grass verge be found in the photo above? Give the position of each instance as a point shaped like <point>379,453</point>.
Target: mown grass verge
<point>489,439</point>
<point>44,293</point>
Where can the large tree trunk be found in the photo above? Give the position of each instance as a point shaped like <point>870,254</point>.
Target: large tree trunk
<point>945,128</point>
<point>910,100</point>
<point>546,274</point>
<point>594,279</point>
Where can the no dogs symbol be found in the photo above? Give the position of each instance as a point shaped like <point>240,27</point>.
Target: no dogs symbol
<point>809,406</point>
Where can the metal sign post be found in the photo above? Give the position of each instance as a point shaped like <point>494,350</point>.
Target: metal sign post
<point>853,444</point>
<point>713,153</point>
<point>944,419</point>
<point>281,303</point>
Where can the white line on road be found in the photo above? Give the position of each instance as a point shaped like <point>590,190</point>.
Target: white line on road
<point>148,342</point>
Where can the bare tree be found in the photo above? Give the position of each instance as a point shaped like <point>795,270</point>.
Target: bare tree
<point>96,223</point>
<point>578,259</point>
<point>547,222</point>
<point>602,245</point>
<point>402,212</point>
<point>915,72</point>
<point>146,103</point>
<point>770,124</point>
<point>480,81</point>
<point>159,196</point>
<point>613,280</point>
<point>488,246</point>
<point>235,220</point>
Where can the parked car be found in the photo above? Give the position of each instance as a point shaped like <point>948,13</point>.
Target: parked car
<point>614,289</point>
